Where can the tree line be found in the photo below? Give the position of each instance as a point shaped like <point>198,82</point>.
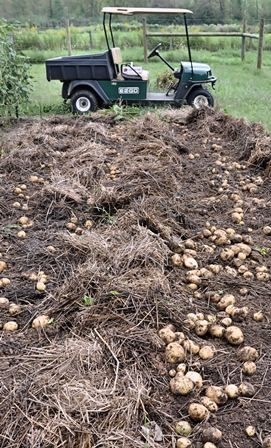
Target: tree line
<point>205,11</point>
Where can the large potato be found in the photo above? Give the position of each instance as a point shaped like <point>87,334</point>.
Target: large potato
<point>198,412</point>
<point>167,334</point>
<point>234,335</point>
<point>181,385</point>
<point>216,394</point>
<point>174,353</point>
<point>211,434</point>
<point>248,353</point>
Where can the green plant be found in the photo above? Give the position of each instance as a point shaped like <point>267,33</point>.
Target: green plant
<point>87,300</point>
<point>15,81</point>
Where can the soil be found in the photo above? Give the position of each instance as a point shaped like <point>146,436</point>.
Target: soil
<point>135,192</point>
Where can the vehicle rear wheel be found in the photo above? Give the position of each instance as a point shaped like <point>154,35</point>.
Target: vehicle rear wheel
<point>200,98</point>
<point>83,102</point>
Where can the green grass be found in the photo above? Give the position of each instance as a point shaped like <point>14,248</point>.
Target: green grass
<point>241,89</point>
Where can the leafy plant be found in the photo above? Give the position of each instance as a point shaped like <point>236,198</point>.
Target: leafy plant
<point>87,300</point>
<point>15,80</point>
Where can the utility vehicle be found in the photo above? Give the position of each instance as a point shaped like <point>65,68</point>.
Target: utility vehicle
<point>100,80</point>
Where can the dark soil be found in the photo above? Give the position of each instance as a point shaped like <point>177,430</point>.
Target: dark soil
<point>97,374</point>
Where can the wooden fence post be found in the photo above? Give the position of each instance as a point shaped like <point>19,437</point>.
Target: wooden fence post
<point>90,39</point>
<point>243,47</point>
<point>260,46</point>
<point>68,34</point>
<point>145,43</point>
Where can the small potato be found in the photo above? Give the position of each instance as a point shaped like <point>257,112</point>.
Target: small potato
<point>216,394</point>
<point>181,368</point>
<point>88,224</point>
<point>180,385</point>
<point>183,428</point>
<point>267,442</point>
<point>4,303</point>
<point>239,314</point>
<point>246,390</point>
<point>249,368</point>
<point>21,234</point>
<point>258,316</point>
<point>209,445</point>
<point>226,300</point>
<point>41,321</point>
<point>196,378</point>
<point>234,335</point>
<point>226,322</point>
<point>209,404</point>
<point>10,326</point>
<point>174,353</point>
<point>250,431</point>
<point>201,327</point>
<point>177,260</point>
<point>14,309</point>
<point>267,230</point>
<point>71,226</point>
<point>206,352</point>
<point>232,391</point>
<point>172,373</point>
<point>226,254</point>
<point>3,266</point>
<point>198,412</point>
<point>211,434</point>
<point>5,281</point>
<point>248,353</point>
<point>191,347</point>
<point>23,220</point>
<point>40,286</point>
<point>183,442</point>
<point>190,262</point>
<point>167,334</point>
<point>51,249</point>
<point>216,330</point>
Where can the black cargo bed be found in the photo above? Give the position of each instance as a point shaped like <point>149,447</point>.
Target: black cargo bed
<point>70,68</point>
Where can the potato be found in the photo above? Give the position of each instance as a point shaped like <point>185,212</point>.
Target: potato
<point>216,330</point>
<point>267,442</point>
<point>183,428</point>
<point>180,385</point>
<point>167,334</point>
<point>198,412</point>
<point>262,276</point>
<point>4,302</point>
<point>195,279</point>
<point>23,220</point>
<point>209,404</point>
<point>226,254</point>
<point>216,394</point>
<point>192,286</point>
<point>239,314</point>
<point>215,268</point>
<point>209,445</point>
<point>192,316</point>
<point>177,260</point>
<point>40,286</point>
<point>232,391</point>
<point>71,226</point>
<point>249,368</point>
<point>226,300</point>
<point>183,442</point>
<point>234,335</point>
<point>211,434</point>
<point>258,316</point>
<point>88,224</point>
<point>226,321</point>
<point>5,281</point>
<point>174,353</point>
<point>201,327</point>
<point>180,337</point>
<point>190,262</point>
<point>41,321</point>
<point>196,378</point>
<point>21,234</point>
<point>248,353</point>
<point>10,326</point>
<point>267,230</point>
<point>246,389</point>
<point>250,431</point>
<point>181,368</point>
<point>191,347</point>
<point>211,318</point>
<point>206,352</point>
<point>14,308</point>
<point>51,249</point>
<point>3,266</point>
<point>172,373</point>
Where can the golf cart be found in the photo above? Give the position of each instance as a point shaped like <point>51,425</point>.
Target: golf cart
<point>100,80</point>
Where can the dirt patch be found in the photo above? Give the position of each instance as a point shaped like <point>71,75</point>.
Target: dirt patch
<point>107,205</point>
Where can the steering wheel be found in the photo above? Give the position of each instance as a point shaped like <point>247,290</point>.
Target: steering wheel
<point>154,50</point>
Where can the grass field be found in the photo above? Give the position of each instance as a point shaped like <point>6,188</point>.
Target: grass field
<point>241,89</point>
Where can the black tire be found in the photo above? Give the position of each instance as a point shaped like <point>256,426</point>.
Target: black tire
<point>199,98</point>
<point>83,102</point>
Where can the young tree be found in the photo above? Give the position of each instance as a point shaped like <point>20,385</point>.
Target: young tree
<point>15,85</point>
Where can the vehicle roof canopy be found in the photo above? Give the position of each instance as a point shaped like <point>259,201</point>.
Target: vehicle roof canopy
<point>131,11</point>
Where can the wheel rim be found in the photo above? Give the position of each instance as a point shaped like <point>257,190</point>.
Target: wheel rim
<point>83,104</point>
<point>200,101</point>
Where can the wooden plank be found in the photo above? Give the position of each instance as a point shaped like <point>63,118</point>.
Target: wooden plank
<point>243,45</point>
<point>260,46</point>
<point>207,34</point>
<point>145,43</point>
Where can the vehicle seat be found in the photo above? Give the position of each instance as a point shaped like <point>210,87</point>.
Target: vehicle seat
<point>137,73</point>
<point>116,55</point>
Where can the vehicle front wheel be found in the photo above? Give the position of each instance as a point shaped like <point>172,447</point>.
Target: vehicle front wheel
<point>83,102</point>
<point>200,98</point>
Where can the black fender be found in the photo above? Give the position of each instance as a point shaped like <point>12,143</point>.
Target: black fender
<point>94,86</point>
<point>184,89</point>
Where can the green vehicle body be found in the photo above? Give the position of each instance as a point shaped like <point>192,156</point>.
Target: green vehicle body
<point>99,80</point>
